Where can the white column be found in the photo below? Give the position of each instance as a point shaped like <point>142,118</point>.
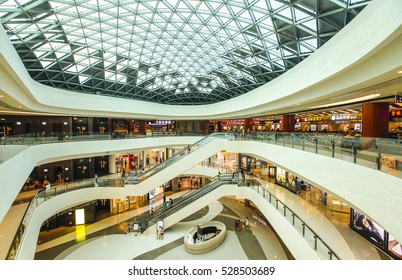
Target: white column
<point>112,164</point>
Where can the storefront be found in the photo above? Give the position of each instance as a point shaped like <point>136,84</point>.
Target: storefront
<point>254,166</point>
<point>229,125</point>
<point>346,122</point>
<point>126,162</point>
<point>395,121</point>
<point>226,160</point>
<point>313,124</point>
<point>154,157</point>
<point>153,127</point>
<point>260,125</point>
<point>121,205</point>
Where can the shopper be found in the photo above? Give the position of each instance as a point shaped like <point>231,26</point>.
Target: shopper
<point>247,223</point>
<point>238,225</point>
<point>161,232</point>
<point>399,134</point>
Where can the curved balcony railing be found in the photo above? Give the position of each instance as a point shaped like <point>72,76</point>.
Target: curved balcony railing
<point>312,238</point>
<point>293,140</point>
<point>383,154</point>
<point>377,153</point>
<point>44,195</point>
<point>55,137</point>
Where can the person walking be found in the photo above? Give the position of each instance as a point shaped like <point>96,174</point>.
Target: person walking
<point>247,223</point>
<point>161,232</point>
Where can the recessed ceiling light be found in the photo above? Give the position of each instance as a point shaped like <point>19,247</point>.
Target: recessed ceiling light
<point>19,106</point>
<point>400,72</point>
<point>1,96</point>
<point>359,99</point>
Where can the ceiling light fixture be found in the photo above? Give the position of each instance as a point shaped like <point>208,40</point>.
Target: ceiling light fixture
<point>359,99</point>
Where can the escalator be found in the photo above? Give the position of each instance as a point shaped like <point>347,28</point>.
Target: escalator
<point>149,219</point>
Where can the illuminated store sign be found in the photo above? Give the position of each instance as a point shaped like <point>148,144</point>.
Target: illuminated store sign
<point>233,122</point>
<point>396,113</point>
<point>159,123</point>
<point>313,119</point>
<point>344,117</point>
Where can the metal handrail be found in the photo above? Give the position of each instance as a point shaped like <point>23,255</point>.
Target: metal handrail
<point>48,194</point>
<point>257,184</point>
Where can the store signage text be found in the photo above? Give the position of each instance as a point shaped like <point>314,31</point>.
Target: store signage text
<point>344,117</point>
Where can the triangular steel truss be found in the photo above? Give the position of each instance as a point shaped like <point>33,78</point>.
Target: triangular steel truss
<point>169,51</point>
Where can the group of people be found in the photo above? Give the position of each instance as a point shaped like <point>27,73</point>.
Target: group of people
<point>33,184</point>
<point>238,225</point>
<point>238,174</point>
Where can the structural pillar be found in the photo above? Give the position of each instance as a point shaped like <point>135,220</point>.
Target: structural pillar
<point>288,123</point>
<point>248,125</point>
<point>375,119</point>
<point>109,127</point>
<point>112,164</point>
<point>205,127</point>
<point>175,184</point>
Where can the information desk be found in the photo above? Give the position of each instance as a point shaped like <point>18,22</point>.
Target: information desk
<point>207,237</point>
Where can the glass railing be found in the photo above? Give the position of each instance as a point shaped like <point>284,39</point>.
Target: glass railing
<point>191,148</point>
<point>377,153</point>
<point>311,237</point>
<point>39,138</point>
<point>44,195</point>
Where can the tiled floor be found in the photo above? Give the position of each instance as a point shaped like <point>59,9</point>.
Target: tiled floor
<point>257,243</point>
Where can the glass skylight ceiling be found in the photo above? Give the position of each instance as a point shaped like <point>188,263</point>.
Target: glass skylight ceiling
<point>170,52</point>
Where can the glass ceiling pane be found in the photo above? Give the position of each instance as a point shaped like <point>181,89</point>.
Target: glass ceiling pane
<point>190,48</point>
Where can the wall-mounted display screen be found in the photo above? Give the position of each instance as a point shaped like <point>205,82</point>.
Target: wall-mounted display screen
<point>245,162</point>
<point>367,228</point>
<point>287,180</point>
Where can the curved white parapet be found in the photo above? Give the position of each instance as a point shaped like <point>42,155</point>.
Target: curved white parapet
<point>208,242</point>
<point>12,181</point>
<point>293,240</point>
<point>375,194</point>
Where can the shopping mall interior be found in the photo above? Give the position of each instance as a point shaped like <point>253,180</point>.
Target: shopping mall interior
<point>201,130</point>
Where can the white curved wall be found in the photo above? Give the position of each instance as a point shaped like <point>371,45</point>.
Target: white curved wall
<point>16,170</point>
<point>374,193</point>
<point>293,240</point>
<point>355,56</point>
